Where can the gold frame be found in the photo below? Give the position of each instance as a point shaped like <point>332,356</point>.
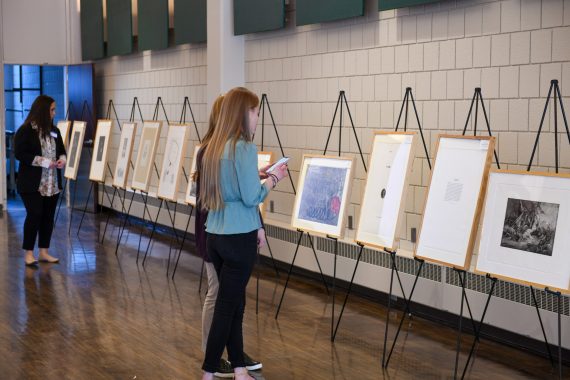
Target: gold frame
<point>478,207</point>
<point>180,162</point>
<point>262,208</point>
<point>152,157</point>
<point>100,179</point>
<point>130,157</point>
<point>73,176</point>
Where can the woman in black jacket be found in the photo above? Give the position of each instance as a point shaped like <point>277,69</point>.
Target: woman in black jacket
<point>39,148</point>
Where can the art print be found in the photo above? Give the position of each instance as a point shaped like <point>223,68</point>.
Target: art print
<point>123,163</point>
<point>172,161</point>
<point>99,160</point>
<point>75,148</point>
<point>145,158</point>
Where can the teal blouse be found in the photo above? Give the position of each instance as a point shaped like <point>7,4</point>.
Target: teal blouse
<point>242,192</point>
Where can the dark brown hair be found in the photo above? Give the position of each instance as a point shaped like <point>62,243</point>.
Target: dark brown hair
<point>39,114</point>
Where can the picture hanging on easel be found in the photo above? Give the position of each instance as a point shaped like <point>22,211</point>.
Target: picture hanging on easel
<point>382,208</point>
<point>75,147</point>
<point>191,190</point>
<point>525,236</point>
<point>150,136</point>
<point>454,200</point>
<point>63,126</point>
<point>174,150</point>
<point>126,143</point>
<point>323,196</point>
<point>100,150</point>
<point>263,159</point>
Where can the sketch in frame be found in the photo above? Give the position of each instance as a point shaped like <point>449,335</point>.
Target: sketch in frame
<point>124,157</point>
<point>100,150</point>
<point>524,231</point>
<point>530,226</point>
<point>191,189</point>
<point>454,200</point>
<point>75,149</point>
<point>382,206</point>
<point>324,187</point>
<point>145,156</point>
<point>172,161</point>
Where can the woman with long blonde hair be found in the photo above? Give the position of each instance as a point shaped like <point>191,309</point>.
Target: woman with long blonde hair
<point>230,191</point>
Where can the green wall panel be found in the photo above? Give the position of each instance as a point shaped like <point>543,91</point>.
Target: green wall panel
<point>190,21</point>
<point>92,44</point>
<point>316,11</point>
<point>251,16</point>
<point>119,27</point>
<point>384,5</point>
<point>153,24</point>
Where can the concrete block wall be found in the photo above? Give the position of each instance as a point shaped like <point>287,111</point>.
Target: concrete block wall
<point>511,49</point>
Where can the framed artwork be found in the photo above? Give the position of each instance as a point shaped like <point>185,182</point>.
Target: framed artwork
<point>525,236</point>
<point>176,141</point>
<point>191,190</point>
<point>126,144</point>
<point>263,159</point>
<point>100,150</point>
<point>382,207</point>
<point>75,147</point>
<point>150,136</point>
<point>323,194</point>
<point>63,126</point>
<point>454,200</point>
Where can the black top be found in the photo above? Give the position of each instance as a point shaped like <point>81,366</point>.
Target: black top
<point>26,147</point>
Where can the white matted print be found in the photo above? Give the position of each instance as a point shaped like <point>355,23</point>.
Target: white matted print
<point>454,200</point>
<point>323,195</point>
<point>191,190</point>
<point>100,150</point>
<point>75,147</point>
<point>525,228</point>
<point>263,159</point>
<point>145,156</point>
<point>63,126</point>
<point>382,208</point>
<point>174,150</point>
<point>126,144</point>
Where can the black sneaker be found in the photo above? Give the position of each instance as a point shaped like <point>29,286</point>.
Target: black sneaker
<point>224,370</point>
<point>250,364</point>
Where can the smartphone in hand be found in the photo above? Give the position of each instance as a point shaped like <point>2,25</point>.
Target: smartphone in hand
<point>281,161</point>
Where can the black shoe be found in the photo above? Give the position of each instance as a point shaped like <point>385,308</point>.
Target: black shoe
<point>250,364</point>
<point>224,370</point>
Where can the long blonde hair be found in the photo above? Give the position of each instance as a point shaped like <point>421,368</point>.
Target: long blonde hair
<point>214,116</point>
<point>232,125</point>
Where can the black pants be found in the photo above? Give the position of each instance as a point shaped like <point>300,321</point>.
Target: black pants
<point>40,212</point>
<point>233,257</point>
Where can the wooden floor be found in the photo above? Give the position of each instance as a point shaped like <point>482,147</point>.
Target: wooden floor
<point>97,316</point>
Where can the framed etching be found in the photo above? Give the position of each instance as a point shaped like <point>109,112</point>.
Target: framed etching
<point>75,147</point>
<point>174,150</point>
<point>191,190</point>
<point>382,207</point>
<point>323,194</point>
<point>525,236</point>
<point>454,200</point>
<point>263,159</point>
<point>63,126</point>
<point>123,164</point>
<point>150,136</point>
<point>100,150</point>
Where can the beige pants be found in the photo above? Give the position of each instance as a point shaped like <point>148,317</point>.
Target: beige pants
<point>209,302</point>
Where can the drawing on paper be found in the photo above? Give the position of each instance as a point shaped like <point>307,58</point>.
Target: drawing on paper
<point>100,149</point>
<point>74,144</point>
<point>530,226</point>
<point>323,194</point>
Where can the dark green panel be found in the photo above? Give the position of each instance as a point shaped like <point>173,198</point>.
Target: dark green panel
<point>251,16</point>
<point>153,24</point>
<point>189,21</point>
<point>92,44</point>
<point>384,5</point>
<point>119,27</point>
<point>315,11</point>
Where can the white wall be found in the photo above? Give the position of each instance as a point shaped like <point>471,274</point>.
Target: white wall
<point>512,49</point>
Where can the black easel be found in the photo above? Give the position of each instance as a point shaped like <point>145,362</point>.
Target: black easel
<point>553,92</point>
<point>478,99</point>
<point>186,105</point>
<point>341,103</point>
<point>135,106</point>
<point>111,106</point>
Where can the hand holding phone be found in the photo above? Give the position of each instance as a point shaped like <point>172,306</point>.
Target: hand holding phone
<point>281,161</point>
